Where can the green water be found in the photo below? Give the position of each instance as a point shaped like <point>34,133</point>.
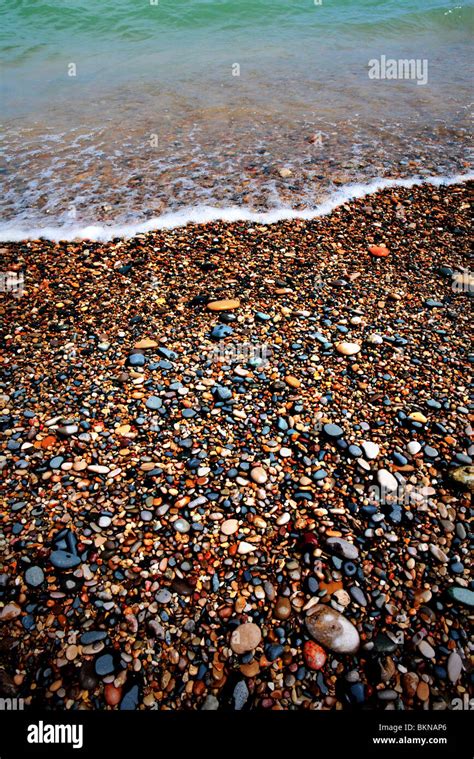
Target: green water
<point>123,108</point>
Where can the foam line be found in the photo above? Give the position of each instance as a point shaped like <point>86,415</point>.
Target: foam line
<point>202,214</point>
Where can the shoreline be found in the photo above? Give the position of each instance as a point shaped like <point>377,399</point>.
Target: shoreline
<point>204,214</point>
<point>177,516</point>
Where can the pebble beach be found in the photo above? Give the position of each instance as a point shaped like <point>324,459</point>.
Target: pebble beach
<point>238,464</point>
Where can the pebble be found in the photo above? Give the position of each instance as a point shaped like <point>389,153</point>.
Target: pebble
<point>245,637</point>
<point>34,576</point>
<point>314,656</point>
<point>332,630</point>
<point>348,349</point>
<point>386,480</point>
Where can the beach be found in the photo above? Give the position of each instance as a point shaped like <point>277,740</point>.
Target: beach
<point>238,463</point>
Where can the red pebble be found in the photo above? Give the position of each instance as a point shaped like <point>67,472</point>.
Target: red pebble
<point>315,656</point>
<point>379,251</point>
<point>113,695</point>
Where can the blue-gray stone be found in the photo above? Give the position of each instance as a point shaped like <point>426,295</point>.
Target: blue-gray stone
<point>154,402</point>
<point>104,665</point>
<point>34,576</point>
<point>64,560</point>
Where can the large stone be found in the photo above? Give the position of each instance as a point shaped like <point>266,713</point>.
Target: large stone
<point>245,638</point>
<point>259,475</point>
<point>332,630</point>
<point>348,349</point>
<point>223,305</point>
<point>342,548</point>
<point>386,480</point>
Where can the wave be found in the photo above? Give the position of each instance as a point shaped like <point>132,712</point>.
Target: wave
<point>203,214</point>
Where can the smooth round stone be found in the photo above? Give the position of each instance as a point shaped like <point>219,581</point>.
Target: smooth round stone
<point>387,480</point>
<point>348,349</point>
<point>438,553</point>
<point>282,608</point>
<point>285,453</point>
<point>426,650</point>
<point>153,403</point>
<point>371,450</point>
<point>333,431</point>
<point>220,331</point>
<point>112,694</point>
<point>163,596</point>
<point>244,547</point>
<point>358,596</point>
<point>343,548</point>
<point>464,475</point>
<point>56,462</point>
<point>245,638</point>
<point>224,305</point>
<point>332,630</point>
<point>104,665</point>
<point>355,451</point>
<point>460,595</point>
<point>314,656</point>
<point>414,447</point>
<point>259,475</point>
<point>430,452</point>
<point>455,666</point>
<point>105,521</point>
<point>34,576</point>
<point>229,527</point>
<point>181,525</point>
<point>136,359</point>
<point>64,560</point>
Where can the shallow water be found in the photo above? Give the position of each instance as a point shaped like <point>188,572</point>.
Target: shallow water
<point>154,121</point>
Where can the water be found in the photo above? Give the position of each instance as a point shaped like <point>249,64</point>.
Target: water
<point>155,122</point>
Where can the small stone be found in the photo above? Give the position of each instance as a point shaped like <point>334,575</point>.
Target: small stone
<point>282,608</point>
<point>332,630</point>
<point>154,403</point>
<point>112,694</point>
<point>314,656</point>
<point>423,691</point>
<point>34,576</point>
<point>438,553</point>
<point>285,173</point>
<point>343,548</point>
<point>229,527</point>
<point>455,666</point>
<point>292,381</point>
<point>333,431</point>
<point>371,450</point>
<point>145,343</point>
<point>245,547</point>
<point>223,305</point>
<point>64,560</point>
<point>182,526</point>
<point>348,349</point>
<point>378,251</point>
<point>387,480</point>
<point>211,704</point>
<point>9,612</point>
<point>104,665</point>
<point>245,638</point>
<point>417,416</point>
<point>259,475</point>
<point>414,447</point>
<point>240,695</point>
<point>426,650</point>
<point>410,682</point>
<point>460,595</point>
